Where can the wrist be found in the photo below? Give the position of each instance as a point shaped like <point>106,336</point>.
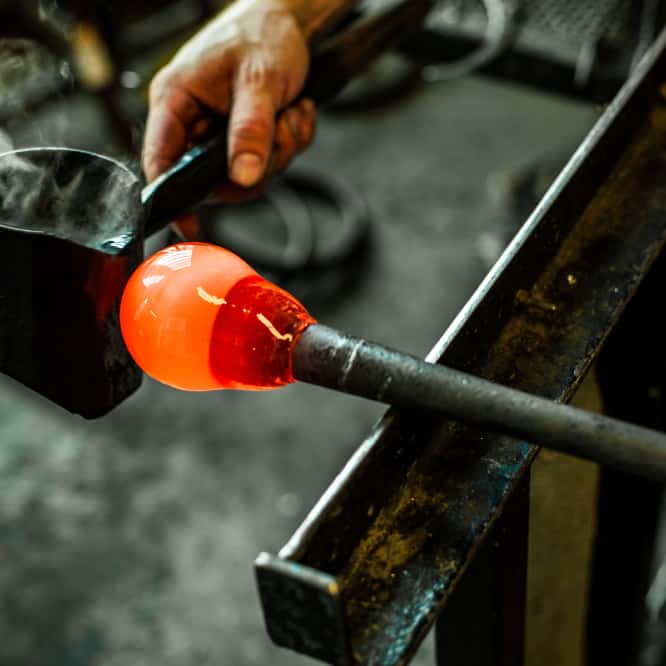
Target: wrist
<point>314,16</point>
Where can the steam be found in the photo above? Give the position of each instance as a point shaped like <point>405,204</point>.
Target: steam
<point>5,142</point>
<point>49,12</point>
<point>28,72</point>
<point>76,196</point>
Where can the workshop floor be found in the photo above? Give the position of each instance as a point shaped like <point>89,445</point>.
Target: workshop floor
<point>130,540</point>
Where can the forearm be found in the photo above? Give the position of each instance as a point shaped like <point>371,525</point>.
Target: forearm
<point>314,16</point>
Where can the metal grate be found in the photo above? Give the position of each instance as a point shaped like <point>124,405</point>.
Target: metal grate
<point>611,19</point>
<point>571,19</point>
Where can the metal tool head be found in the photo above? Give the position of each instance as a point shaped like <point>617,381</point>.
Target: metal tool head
<point>74,195</point>
<point>71,231</point>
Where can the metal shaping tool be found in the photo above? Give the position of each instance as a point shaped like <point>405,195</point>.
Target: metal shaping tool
<point>328,358</point>
<point>72,226</point>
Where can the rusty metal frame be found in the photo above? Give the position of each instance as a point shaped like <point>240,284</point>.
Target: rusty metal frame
<point>378,558</point>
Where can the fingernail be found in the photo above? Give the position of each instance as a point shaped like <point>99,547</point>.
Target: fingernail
<point>246,169</point>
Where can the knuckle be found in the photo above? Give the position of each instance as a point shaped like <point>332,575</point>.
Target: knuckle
<point>288,149</point>
<point>281,85</point>
<point>308,134</point>
<point>160,83</point>
<point>253,71</point>
<point>256,128</point>
<point>260,73</point>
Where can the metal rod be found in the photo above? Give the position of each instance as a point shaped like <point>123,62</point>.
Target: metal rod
<point>344,363</point>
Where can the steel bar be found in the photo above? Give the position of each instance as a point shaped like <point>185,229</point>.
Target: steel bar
<point>379,557</point>
<point>326,357</point>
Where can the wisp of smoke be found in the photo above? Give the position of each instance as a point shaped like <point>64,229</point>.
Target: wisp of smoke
<point>5,142</point>
<point>73,195</point>
<point>28,73</point>
<point>76,196</point>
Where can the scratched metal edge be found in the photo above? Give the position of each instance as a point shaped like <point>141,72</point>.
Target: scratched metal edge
<point>318,523</point>
<point>315,601</point>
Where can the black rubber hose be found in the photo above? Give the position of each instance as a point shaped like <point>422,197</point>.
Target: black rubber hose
<point>302,249</point>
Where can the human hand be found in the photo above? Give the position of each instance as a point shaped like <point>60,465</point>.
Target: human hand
<point>248,64</point>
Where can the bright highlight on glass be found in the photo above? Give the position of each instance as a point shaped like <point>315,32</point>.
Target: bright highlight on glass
<point>197,317</point>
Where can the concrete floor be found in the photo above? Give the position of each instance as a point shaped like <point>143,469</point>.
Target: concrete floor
<point>130,540</point>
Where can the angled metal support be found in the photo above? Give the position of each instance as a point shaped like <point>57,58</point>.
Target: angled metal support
<point>382,553</point>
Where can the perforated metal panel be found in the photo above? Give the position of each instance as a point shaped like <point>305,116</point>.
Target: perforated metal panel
<point>612,20</point>
<point>583,48</point>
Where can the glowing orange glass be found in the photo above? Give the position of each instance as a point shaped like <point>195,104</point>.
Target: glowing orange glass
<point>197,317</point>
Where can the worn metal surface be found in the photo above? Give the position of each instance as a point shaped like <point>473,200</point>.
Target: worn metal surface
<point>400,524</point>
<point>326,357</point>
<point>66,221</point>
<point>483,622</point>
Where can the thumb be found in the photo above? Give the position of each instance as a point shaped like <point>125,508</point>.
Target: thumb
<point>251,130</point>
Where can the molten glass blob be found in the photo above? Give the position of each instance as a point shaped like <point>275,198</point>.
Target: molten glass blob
<point>197,317</point>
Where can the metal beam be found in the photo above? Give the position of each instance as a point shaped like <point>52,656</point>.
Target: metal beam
<point>366,574</point>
